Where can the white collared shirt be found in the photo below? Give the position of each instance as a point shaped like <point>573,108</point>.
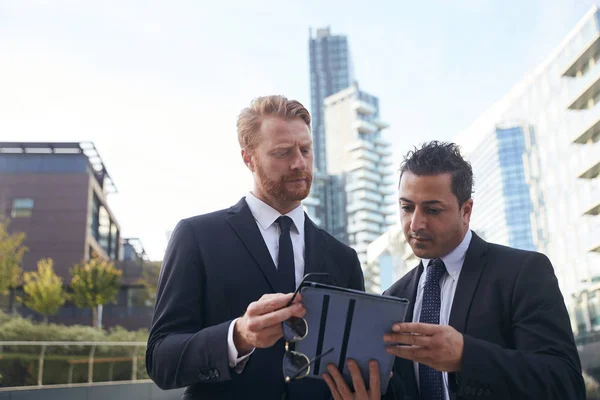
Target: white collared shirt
<point>265,217</point>
<point>453,262</point>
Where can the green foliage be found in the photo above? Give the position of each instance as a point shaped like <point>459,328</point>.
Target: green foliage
<point>11,256</point>
<point>44,290</point>
<point>149,280</point>
<point>18,366</point>
<point>94,283</point>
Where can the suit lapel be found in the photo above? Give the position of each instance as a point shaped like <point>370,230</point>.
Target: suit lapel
<point>315,256</point>
<point>242,221</point>
<point>406,367</point>
<point>411,290</point>
<point>467,283</point>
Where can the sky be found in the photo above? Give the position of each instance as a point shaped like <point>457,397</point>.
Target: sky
<point>157,85</point>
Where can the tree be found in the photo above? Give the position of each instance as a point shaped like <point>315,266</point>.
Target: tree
<point>44,290</point>
<point>11,256</point>
<point>95,283</point>
<point>149,280</point>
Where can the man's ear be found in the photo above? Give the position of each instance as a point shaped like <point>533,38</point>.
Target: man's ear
<point>467,209</point>
<point>248,158</point>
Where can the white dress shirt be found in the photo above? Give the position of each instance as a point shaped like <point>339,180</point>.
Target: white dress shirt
<point>265,217</point>
<point>454,262</point>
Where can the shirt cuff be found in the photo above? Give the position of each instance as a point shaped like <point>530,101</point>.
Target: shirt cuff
<point>235,362</point>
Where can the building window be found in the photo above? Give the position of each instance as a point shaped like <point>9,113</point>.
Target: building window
<point>114,240</point>
<point>104,229</point>
<point>95,218</point>
<point>22,208</point>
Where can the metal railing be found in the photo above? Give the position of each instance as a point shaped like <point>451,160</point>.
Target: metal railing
<point>31,363</point>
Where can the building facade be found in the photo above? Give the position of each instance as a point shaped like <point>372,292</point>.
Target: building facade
<point>330,72</point>
<point>359,160</point>
<point>558,100</point>
<point>56,193</point>
<point>506,173</point>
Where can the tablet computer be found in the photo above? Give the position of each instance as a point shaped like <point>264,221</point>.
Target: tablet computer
<point>346,323</point>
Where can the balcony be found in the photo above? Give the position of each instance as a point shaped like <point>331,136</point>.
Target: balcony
<point>366,155</point>
<point>359,144</point>
<point>361,185</point>
<point>362,205</point>
<point>382,142</point>
<point>366,237</point>
<point>367,175</point>
<point>363,227</point>
<point>363,108</point>
<point>586,99</point>
<point>581,61</point>
<point>387,190</point>
<point>381,124</point>
<point>592,172</point>
<point>368,195</point>
<point>383,151</point>
<point>594,209</point>
<point>591,132</point>
<point>362,165</point>
<point>369,216</point>
<point>593,242</point>
<point>364,126</point>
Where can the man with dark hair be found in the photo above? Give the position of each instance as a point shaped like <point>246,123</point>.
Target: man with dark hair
<point>487,320</point>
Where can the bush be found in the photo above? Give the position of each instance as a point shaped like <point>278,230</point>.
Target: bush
<point>19,364</point>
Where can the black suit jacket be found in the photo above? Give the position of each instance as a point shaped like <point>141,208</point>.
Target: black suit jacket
<point>215,266</point>
<point>518,342</point>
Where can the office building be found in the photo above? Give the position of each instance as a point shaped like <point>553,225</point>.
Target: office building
<point>56,193</point>
<point>558,102</point>
<point>508,201</point>
<point>360,203</point>
<point>330,72</point>
<point>391,255</point>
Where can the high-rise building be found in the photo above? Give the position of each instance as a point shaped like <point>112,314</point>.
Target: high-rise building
<point>391,255</point>
<point>507,199</point>
<point>358,160</point>
<point>558,101</point>
<point>330,72</point>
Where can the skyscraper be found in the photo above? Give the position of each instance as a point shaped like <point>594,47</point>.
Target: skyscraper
<point>358,161</point>
<point>505,168</point>
<point>330,72</point>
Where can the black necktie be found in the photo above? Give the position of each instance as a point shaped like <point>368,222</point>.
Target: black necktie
<point>430,380</point>
<point>285,265</point>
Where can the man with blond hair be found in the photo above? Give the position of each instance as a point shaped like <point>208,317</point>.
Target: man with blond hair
<point>227,276</point>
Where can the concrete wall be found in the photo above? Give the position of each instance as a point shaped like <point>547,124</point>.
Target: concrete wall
<point>143,390</point>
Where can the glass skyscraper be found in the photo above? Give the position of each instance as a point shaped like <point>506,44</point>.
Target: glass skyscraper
<point>330,72</point>
<point>504,211</point>
<point>558,102</point>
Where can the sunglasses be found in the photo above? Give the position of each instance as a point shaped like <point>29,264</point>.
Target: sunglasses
<point>297,365</point>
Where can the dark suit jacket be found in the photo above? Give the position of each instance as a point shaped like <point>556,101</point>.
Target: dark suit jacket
<point>215,266</point>
<point>518,342</point>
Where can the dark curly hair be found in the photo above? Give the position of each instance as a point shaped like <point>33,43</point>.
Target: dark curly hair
<point>435,158</point>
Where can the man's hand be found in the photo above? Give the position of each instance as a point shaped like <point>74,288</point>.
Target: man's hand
<point>260,327</point>
<point>341,391</point>
<point>438,346</point>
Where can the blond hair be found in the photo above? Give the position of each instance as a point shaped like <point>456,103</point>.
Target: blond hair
<point>250,118</point>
